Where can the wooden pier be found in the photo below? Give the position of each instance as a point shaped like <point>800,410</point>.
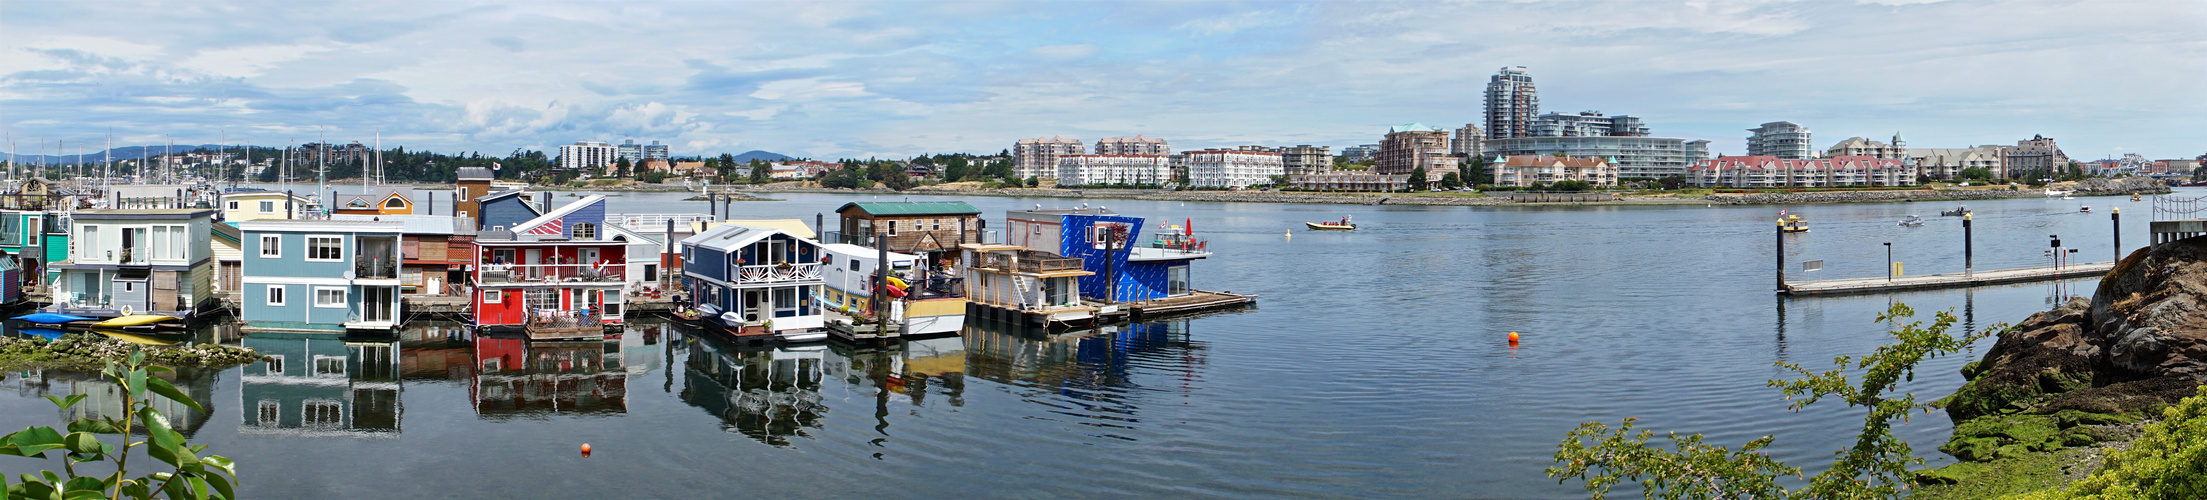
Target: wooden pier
<point>1935,281</point>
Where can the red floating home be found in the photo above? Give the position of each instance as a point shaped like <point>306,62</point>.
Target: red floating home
<point>561,275</point>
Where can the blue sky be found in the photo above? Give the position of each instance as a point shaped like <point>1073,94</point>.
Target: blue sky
<point>893,79</point>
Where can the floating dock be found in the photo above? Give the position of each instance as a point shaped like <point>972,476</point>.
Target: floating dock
<point>1935,281</point>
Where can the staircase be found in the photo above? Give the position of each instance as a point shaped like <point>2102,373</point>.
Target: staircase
<point>1020,283</point>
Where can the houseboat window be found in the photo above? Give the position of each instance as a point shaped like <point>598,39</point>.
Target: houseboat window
<point>325,248</point>
<point>410,276</point>
<point>586,231</point>
<point>91,236</point>
<point>785,302</point>
<point>266,207</point>
<point>493,296</point>
<point>329,366</point>
<point>31,232</point>
<point>176,244</point>
<point>542,298</point>
<point>1176,280</point>
<point>501,255</point>
<point>233,205</point>
<point>651,272</point>
<point>892,228</point>
<point>10,229</point>
<point>329,297</point>
<point>854,264</point>
<point>1053,290</point>
<point>321,414</point>
<point>275,364</point>
<point>938,224</point>
<point>394,203</point>
<point>269,411</point>
<point>276,295</point>
<point>160,243</point>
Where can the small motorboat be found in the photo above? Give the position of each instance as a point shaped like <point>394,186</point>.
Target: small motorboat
<point>1956,212</point>
<point>1911,221</point>
<point>52,318</point>
<point>1793,224</point>
<point>2085,209</point>
<point>137,320</point>
<point>1330,226</point>
<point>800,337</point>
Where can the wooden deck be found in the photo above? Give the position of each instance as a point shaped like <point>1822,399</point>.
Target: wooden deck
<point>1936,281</point>
<point>1197,300</point>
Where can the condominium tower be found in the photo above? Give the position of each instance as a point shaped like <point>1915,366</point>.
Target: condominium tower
<point>1511,103</point>
<point>1136,145</point>
<point>1466,141</point>
<point>586,154</point>
<point>1785,140</point>
<point>1038,157</point>
<point>1413,146</point>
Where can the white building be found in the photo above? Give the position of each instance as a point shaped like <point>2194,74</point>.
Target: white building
<point>1039,157</point>
<point>1097,170</point>
<point>1218,168</point>
<point>585,154</point>
<point>1785,140</point>
<point>1137,145</point>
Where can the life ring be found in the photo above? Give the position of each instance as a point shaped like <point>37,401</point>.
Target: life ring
<point>126,310</point>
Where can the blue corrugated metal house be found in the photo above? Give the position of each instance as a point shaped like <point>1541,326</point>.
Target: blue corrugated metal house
<point>320,276</point>
<point>505,209</point>
<point>1136,268</point>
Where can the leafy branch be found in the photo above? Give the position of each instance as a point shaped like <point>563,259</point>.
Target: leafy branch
<point>191,475</point>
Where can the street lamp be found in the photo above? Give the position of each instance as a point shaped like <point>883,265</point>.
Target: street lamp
<point>1888,262</point>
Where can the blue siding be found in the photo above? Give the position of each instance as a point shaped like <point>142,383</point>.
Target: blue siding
<point>593,213</point>
<point>1136,281</point>
<point>292,261</point>
<point>507,212</point>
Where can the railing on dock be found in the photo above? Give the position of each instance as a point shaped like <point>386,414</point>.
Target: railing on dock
<point>652,223</point>
<point>2176,218</point>
<point>526,273</point>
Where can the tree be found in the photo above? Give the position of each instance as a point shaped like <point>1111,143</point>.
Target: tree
<point>1417,179</point>
<point>1977,173</point>
<point>1476,170</point>
<point>1451,181</point>
<point>193,476</point>
<point>1876,466</point>
<point>621,167</point>
<point>761,172</point>
<point>956,169</point>
<point>1571,185</point>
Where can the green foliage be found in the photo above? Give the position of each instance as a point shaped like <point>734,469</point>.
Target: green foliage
<point>1876,466</point>
<point>848,177</point>
<point>1451,181</point>
<point>1568,185</point>
<point>2168,461</point>
<point>761,171</point>
<point>621,167</point>
<point>1977,173</point>
<point>190,475</point>
<point>1417,179</point>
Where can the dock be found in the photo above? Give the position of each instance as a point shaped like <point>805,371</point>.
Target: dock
<point>1936,281</point>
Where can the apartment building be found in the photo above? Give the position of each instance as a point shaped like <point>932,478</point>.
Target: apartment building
<point>637,154</point>
<point>1587,124</point>
<point>1635,157</point>
<point>587,154</point>
<point>1099,170</point>
<point>1771,171</point>
<point>1948,163</point>
<point>1857,146</point>
<point>1038,157</point>
<point>1306,159</point>
<point>1466,141</point>
<point>1219,168</point>
<point>1785,140</point>
<point>2039,154</point>
<point>1414,146</point>
<point>1137,145</point>
<point>1511,104</point>
<point>1528,170</point>
<point>1360,152</point>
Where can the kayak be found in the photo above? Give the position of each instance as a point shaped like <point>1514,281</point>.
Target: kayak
<point>45,333</point>
<point>52,318</point>
<point>136,339</point>
<point>136,320</point>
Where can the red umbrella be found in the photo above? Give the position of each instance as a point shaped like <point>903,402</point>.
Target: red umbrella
<point>1189,226</point>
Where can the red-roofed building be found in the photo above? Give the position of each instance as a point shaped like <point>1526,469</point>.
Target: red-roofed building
<point>1771,171</point>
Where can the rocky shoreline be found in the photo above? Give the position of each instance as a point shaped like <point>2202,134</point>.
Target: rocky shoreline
<point>2088,187</point>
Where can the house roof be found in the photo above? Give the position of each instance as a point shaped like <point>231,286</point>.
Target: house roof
<point>321,225</point>
<point>227,232</point>
<point>730,237</point>
<point>417,224</point>
<point>560,212</point>
<point>144,213</point>
<point>913,208</point>
<point>474,173</point>
<point>791,226</point>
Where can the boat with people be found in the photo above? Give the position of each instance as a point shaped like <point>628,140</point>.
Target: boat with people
<point>1343,225</point>
<point>1911,221</point>
<point>1958,211</point>
<point>1793,224</point>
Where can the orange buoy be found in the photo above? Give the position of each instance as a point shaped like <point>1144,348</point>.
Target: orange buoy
<point>1513,343</point>
<point>586,449</point>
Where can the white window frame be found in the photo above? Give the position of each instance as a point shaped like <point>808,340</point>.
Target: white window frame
<point>272,246</point>
<point>585,231</point>
<point>342,295</point>
<point>274,365</point>
<point>267,207</point>
<point>493,295</point>
<point>310,247</point>
<point>275,296</point>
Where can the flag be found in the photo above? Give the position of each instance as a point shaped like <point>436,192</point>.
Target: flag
<point>548,228</point>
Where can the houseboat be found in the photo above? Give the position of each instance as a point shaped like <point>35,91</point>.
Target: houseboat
<point>561,275</point>
<point>1129,274</point>
<point>261,204</point>
<point>437,250</point>
<point>1014,284</point>
<point>926,300</point>
<point>137,261</point>
<point>319,276</point>
<point>755,283</point>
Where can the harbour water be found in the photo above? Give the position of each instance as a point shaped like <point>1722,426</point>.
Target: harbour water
<point>1375,366</point>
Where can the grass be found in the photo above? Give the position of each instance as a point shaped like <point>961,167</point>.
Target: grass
<point>2006,476</point>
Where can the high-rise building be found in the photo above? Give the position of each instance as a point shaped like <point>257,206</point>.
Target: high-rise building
<point>1512,102</point>
<point>1785,140</point>
<point>1039,157</point>
<point>1413,146</point>
<point>637,154</point>
<point>2037,156</point>
<point>586,154</point>
<point>1466,140</point>
<point>1219,168</point>
<point>1306,159</point>
<point>1136,145</point>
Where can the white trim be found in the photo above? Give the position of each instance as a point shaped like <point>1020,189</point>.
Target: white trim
<point>494,295</point>
<point>309,241</point>
<point>293,280</point>
<point>279,293</point>
<point>279,247</point>
<point>343,295</point>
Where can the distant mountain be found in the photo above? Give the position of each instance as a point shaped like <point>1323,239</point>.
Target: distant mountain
<point>122,153</point>
<point>754,154</point>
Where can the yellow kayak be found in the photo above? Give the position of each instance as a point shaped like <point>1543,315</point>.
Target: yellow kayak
<point>135,339</point>
<point>135,320</point>
<point>899,283</point>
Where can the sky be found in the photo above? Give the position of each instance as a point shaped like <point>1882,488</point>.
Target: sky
<point>842,79</point>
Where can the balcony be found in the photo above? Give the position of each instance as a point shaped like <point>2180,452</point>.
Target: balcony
<point>1031,262</point>
<point>938,288</point>
<point>778,273</point>
<point>375,268</point>
<point>495,274</point>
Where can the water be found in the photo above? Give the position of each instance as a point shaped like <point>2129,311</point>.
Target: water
<point>1375,366</point>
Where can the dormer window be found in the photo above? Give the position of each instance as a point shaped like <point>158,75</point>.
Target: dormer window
<point>586,231</point>
<point>394,203</point>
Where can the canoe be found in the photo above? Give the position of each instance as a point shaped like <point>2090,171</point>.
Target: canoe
<point>1330,227</point>
<point>135,320</point>
<point>52,318</point>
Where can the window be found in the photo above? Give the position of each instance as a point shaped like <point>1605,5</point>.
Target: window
<point>493,296</point>
<point>174,247</point>
<point>321,414</point>
<point>1176,280</point>
<point>651,272</point>
<point>854,264</point>
<point>892,228</point>
<point>272,246</point>
<point>502,256</point>
<point>275,364</point>
<point>328,297</point>
<point>325,248</point>
<point>91,245</point>
<point>394,202</point>
<point>160,243</point>
<point>329,366</point>
<point>938,224</point>
<point>542,298</point>
<point>269,411</point>
<point>266,207</point>
<point>276,298</point>
<point>31,232</point>
<point>10,230</point>
<point>233,204</point>
<point>586,231</point>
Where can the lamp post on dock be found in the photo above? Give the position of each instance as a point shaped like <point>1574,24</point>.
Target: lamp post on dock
<point>1888,262</point>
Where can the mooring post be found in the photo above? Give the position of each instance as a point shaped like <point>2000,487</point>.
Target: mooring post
<point>1967,269</point>
<point>2117,217</point>
<point>1781,232</point>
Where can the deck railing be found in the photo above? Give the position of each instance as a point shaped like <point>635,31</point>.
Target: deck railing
<point>778,273</point>
<point>938,288</point>
<point>2178,207</point>
<point>549,273</point>
<point>375,268</point>
<point>1047,264</point>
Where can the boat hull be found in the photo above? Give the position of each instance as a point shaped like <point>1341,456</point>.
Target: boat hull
<point>1330,227</point>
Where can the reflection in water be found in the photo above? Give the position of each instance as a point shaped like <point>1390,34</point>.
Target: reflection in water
<point>516,377</point>
<point>103,399</point>
<point>320,386</point>
<point>1089,371</point>
<point>767,394</point>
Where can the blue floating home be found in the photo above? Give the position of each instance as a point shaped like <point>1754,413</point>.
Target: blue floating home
<point>755,281</point>
<point>137,261</point>
<point>320,275</point>
<point>1135,268</point>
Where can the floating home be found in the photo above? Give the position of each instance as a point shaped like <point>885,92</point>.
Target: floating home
<point>1130,273</point>
<point>561,275</point>
<point>1017,285</point>
<point>933,302</point>
<point>754,281</point>
<point>35,238</point>
<point>437,251</point>
<point>262,204</point>
<point>137,261</point>
<point>320,276</point>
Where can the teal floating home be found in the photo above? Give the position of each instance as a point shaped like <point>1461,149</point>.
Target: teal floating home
<point>320,276</point>
<point>137,261</point>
